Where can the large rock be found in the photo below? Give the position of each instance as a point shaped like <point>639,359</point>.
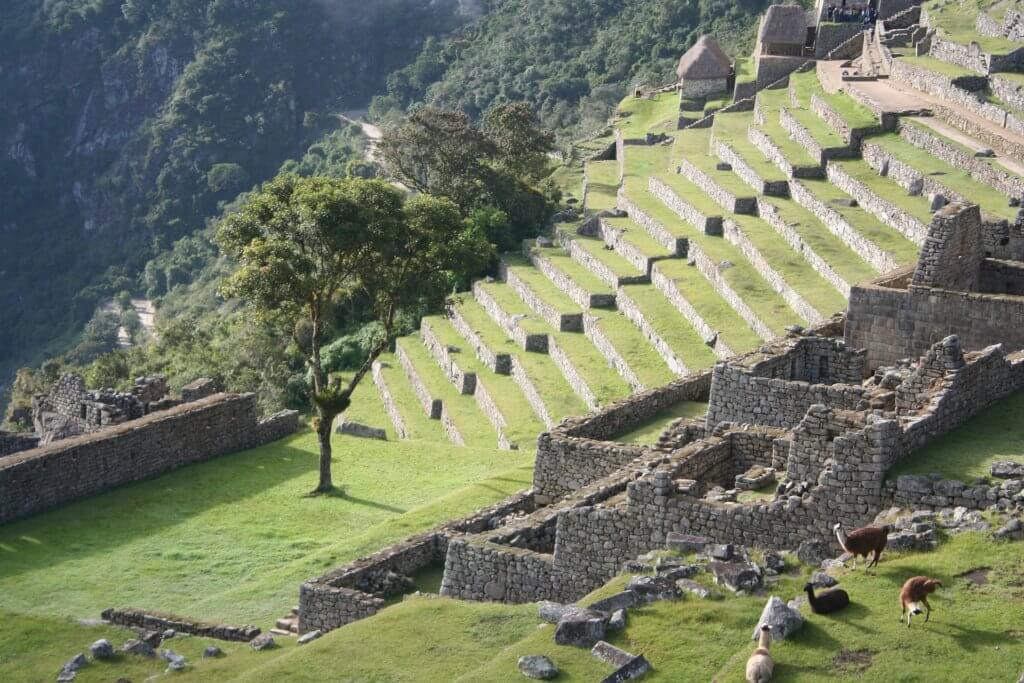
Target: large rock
<point>653,588</point>
<point>264,641</point>
<point>537,667</point>
<point>212,651</point>
<point>102,649</point>
<point>1008,469</point>
<point>138,647</point>
<point>581,628</point>
<point>634,668</point>
<point>737,576</point>
<point>823,580</point>
<point>309,637</point>
<point>683,571</point>
<point>610,654</point>
<point>780,617</point>
<point>360,430</point>
<point>693,588</point>
<point>552,612</point>
<point>175,662</point>
<point>623,600</point>
<point>1013,530</point>
<point>686,543</point>
<point>813,552</point>
<point>617,622</point>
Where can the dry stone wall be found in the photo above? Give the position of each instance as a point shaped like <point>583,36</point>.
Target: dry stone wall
<point>158,621</point>
<point>676,245</point>
<point>592,330</point>
<point>527,341</point>
<point>709,225</point>
<point>670,288</point>
<point>447,357</point>
<point>716,192</point>
<point>42,478</point>
<point>498,363</point>
<point>431,406</point>
<point>13,442</point>
<point>772,217</point>
<point>571,373</point>
<point>390,406</point>
<point>894,217</point>
<point>572,289</point>
<point>774,154</point>
<point>772,188</point>
<point>710,270</point>
<point>613,236</point>
<point>629,309</point>
<point>594,265</point>
<point>563,322</point>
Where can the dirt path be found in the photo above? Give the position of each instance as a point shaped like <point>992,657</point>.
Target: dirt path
<point>940,126</point>
<point>373,134</point>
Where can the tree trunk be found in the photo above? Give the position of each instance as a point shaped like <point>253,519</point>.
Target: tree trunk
<point>323,437</point>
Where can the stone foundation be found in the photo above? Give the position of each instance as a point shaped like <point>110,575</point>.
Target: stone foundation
<point>158,621</point>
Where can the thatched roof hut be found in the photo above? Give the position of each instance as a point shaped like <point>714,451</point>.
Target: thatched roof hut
<point>704,61</point>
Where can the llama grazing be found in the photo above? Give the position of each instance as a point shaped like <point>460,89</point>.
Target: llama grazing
<point>915,593</point>
<point>870,539</point>
<point>827,602</point>
<point>760,665</point>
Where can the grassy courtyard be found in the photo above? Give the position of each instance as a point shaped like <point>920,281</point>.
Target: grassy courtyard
<point>231,539</point>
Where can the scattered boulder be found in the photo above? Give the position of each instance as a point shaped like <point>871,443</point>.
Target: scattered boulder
<point>823,580</point>
<point>636,567</point>
<point>813,551</point>
<point>796,331</point>
<point>552,612</point>
<point>634,668</point>
<point>737,576</point>
<point>309,637</point>
<point>724,264</point>
<point>544,242</point>
<point>212,651</point>
<point>653,588</point>
<point>780,617</point>
<point>720,551</point>
<point>101,649</point>
<point>623,600</point>
<point>71,667</point>
<point>959,519</point>
<point>773,563</point>
<point>693,588</point>
<point>1013,530</point>
<point>722,166</point>
<point>138,647</point>
<point>360,430</point>
<point>264,641</point>
<point>537,667</point>
<point>850,201</point>
<point>985,153</point>
<point>916,187</point>
<point>168,634</point>
<point>1008,469</point>
<point>175,662</point>
<point>686,542</point>
<point>937,202</point>
<point>617,622</point>
<point>581,628</point>
<point>684,571</point>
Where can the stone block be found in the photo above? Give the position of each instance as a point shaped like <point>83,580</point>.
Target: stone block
<point>782,619</point>
<point>686,543</point>
<point>581,628</point>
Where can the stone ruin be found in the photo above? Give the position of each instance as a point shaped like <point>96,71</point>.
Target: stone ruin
<point>71,409</point>
<point>824,413</point>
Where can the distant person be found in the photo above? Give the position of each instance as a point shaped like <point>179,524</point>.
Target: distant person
<point>831,13</point>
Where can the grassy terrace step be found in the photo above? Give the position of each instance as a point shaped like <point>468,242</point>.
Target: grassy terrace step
<point>831,144</point>
<point>710,306</point>
<point>805,85</point>
<point>636,116</point>
<point>695,198</point>
<point>732,129</point>
<point>693,145</point>
<point>459,412</point>
<point>950,71</point>
<point>605,263</point>
<point>889,190</point>
<point>871,228</point>
<point>527,323</point>
<point>418,425</point>
<point>956,22</point>
<point>792,266</point>
<point>602,184</point>
<point>674,330</point>
<point>540,370</point>
<point>991,200</point>
<point>634,243</point>
<point>846,262</point>
<point>367,406</point>
<point>540,294</point>
<point>573,278</point>
<point>514,417</point>
<point>770,102</point>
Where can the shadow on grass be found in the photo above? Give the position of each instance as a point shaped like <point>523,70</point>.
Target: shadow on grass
<point>99,523</point>
<point>340,493</point>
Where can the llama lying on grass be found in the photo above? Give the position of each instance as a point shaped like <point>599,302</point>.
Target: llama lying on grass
<point>915,593</point>
<point>826,602</point>
<point>760,665</point>
<point>870,539</point>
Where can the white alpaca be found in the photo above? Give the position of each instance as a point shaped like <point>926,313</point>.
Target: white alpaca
<point>761,665</point>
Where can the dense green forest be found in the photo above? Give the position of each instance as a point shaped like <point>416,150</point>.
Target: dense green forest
<point>130,126</point>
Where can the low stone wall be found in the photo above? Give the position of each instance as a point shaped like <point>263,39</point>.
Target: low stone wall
<point>525,384</point>
<point>983,172</point>
<point>709,269</point>
<point>158,621</point>
<point>770,214</point>
<point>12,442</point>
<point>676,245</point>
<point>431,406</point>
<point>571,373</point>
<point>498,363</point>
<point>746,173</point>
<point>629,309</point>
<point>353,592</point>
<point>879,259</point>
<point>613,237</point>
<point>829,36</point>
<point>971,57</point>
<point>563,322</point>
<point>572,289</point>
<point>447,358</point>
<point>525,340</point>
<point>42,478</point>
<point>803,136</point>
<point>592,330</point>
<point>390,406</point>
<point>718,194</point>
<point>709,225</point>
<point>1009,91</point>
<point>772,152</point>
<point>983,134</point>
<point>672,292</point>
<point>894,217</point>
<point>595,266</point>
<point>922,492</point>
<point>837,123</point>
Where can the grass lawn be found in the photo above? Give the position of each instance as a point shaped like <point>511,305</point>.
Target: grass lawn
<point>231,539</point>
<point>649,431</point>
<point>732,130</point>
<point>932,64</point>
<point>955,21</point>
<point>991,200</point>
<point>968,451</point>
<point>577,272</point>
<point>886,188</point>
<point>672,327</point>
<point>772,101</point>
<point>636,116</point>
<point>602,184</point>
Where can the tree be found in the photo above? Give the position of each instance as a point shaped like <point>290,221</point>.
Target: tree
<point>313,249</point>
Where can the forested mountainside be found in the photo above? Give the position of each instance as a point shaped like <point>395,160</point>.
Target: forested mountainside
<point>125,122</point>
<point>127,125</point>
<point>571,60</point>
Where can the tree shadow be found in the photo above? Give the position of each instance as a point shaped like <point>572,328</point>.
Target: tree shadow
<point>969,639</point>
<point>340,493</point>
<point>99,523</point>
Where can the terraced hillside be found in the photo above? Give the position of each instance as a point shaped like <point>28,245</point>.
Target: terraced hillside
<point>702,242</point>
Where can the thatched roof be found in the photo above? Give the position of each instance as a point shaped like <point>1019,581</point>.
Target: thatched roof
<point>705,60</point>
<point>784,24</point>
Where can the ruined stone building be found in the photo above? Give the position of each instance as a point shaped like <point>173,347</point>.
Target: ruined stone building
<point>704,69</point>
